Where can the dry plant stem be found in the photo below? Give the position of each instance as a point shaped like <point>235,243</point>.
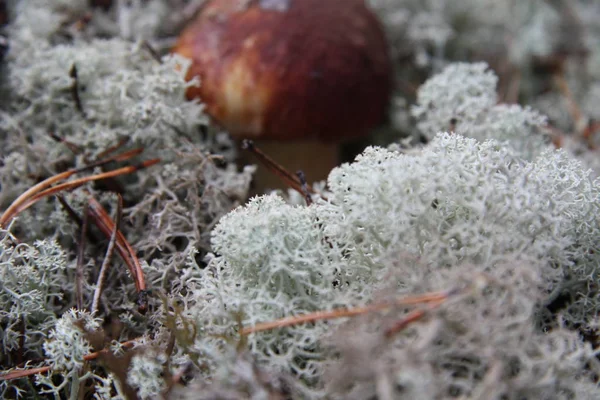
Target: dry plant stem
<point>81,181</point>
<point>74,184</point>
<point>75,89</point>
<point>177,378</point>
<point>434,297</point>
<point>114,148</point>
<point>590,132</point>
<point>287,177</point>
<point>411,317</point>
<point>106,225</point>
<point>69,210</point>
<point>304,187</point>
<point>11,211</point>
<point>107,257</point>
<point>152,51</point>
<point>574,109</point>
<point>21,352</point>
<point>514,85</point>
<point>40,370</point>
<point>80,255</point>
<point>75,149</point>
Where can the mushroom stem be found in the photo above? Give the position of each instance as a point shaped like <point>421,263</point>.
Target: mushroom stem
<point>315,158</point>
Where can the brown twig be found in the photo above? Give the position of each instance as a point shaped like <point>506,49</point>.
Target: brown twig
<point>304,187</point>
<point>108,256</point>
<point>574,109</point>
<point>106,225</point>
<point>75,149</point>
<point>34,197</point>
<point>287,177</point>
<point>177,377</point>
<point>590,132</point>
<point>513,87</point>
<point>7,376</point>
<point>111,184</point>
<point>75,89</point>
<point>152,51</point>
<point>411,317</point>
<point>434,297</point>
<point>21,350</point>
<point>11,211</point>
<point>80,256</point>
<point>112,149</point>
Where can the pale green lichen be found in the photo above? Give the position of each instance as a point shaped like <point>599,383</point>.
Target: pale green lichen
<point>399,222</point>
<point>490,213</point>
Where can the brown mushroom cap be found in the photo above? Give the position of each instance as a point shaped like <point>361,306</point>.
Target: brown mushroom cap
<point>289,69</point>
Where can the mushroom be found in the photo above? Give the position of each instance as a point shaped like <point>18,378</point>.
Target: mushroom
<point>305,75</point>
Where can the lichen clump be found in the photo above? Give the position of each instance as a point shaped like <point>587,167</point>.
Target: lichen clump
<point>491,227</point>
<point>408,223</point>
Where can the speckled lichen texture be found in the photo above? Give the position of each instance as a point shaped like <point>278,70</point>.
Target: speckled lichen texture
<point>480,191</point>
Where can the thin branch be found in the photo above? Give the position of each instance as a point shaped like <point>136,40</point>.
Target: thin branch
<point>574,109</point>
<point>152,51</point>
<point>411,317</point>
<point>287,177</point>
<point>34,197</point>
<point>108,256</point>
<point>106,225</point>
<point>86,179</point>
<point>304,187</point>
<point>22,336</point>
<point>75,149</point>
<point>80,256</point>
<point>434,297</point>
<point>111,149</point>
<point>21,373</point>
<point>75,89</point>
<point>11,211</point>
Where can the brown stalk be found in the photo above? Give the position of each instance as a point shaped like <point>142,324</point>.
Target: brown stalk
<point>287,177</point>
<point>40,370</point>
<point>411,317</point>
<point>75,89</point>
<point>434,297</point>
<point>590,132</point>
<point>80,256</point>
<point>574,109</point>
<point>11,211</point>
<point>152,51</point>
<point>304,186</point>
<point>75,149</point>
<point>114,148</point>
<point>77,183</point>
<point>108,256</point>
<point>106,225</point>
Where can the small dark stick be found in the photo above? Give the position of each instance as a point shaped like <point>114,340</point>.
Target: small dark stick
<point>80,255</point>
<point>21,373</point>
<point>75,89</point>
<point>152,51</point>
<point>142,301</point>
<point>304,186</point>
<point>75,149</point>
<point>21,353</point>
<point>105,224</point>
<point>453,122</point>
<point>108,257</point>
<point>110,150</point>
<point>4,46</point>
<point>287,177</point>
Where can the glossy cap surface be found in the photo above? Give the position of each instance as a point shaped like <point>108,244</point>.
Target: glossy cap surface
<point>290,69</point>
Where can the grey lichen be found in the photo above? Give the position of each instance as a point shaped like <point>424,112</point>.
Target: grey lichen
<point>485,213</point>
